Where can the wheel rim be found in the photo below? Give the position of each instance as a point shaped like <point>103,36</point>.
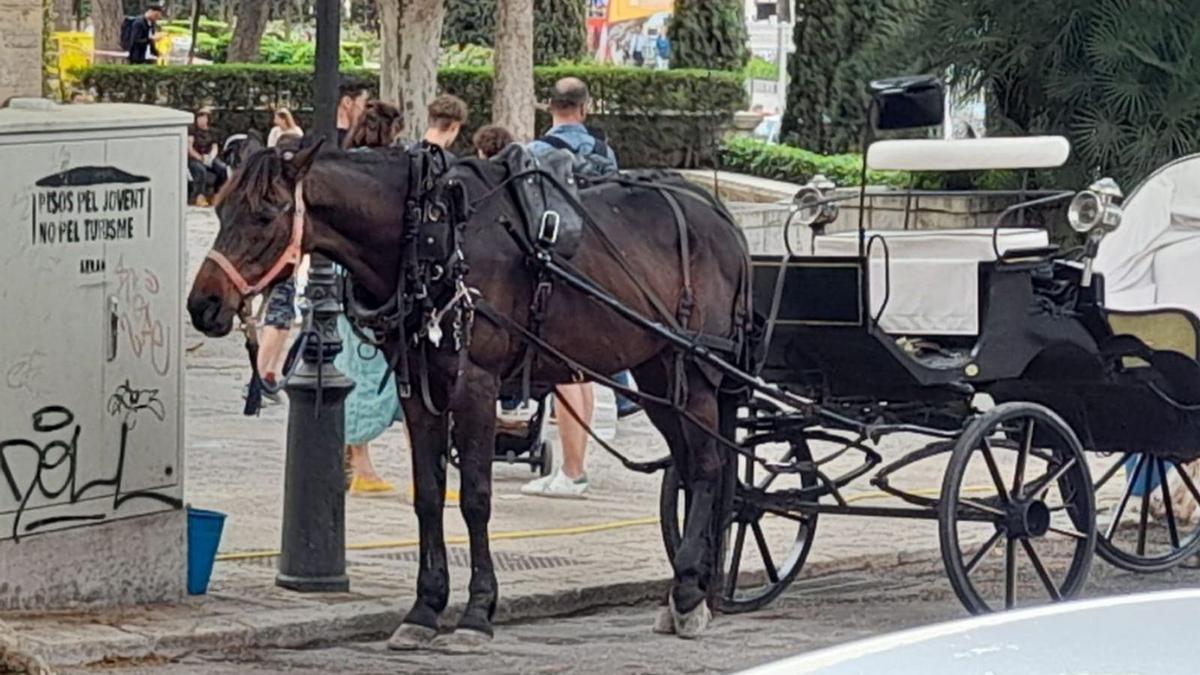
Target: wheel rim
<point>1029,509</point>
<point>1147,532</point>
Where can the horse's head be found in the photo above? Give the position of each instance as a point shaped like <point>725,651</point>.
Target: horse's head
<point>261,212</point>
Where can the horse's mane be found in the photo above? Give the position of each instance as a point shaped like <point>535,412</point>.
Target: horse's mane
<point>255,178</point>
<point>262,168</point>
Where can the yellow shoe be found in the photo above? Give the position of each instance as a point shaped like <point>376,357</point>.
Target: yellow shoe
<point>202,201</point>
<point>363,487</point>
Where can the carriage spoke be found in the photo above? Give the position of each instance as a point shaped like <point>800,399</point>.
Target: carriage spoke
<point>1041,571</point>
<point>994,470</point>
<point>1112,526</point>
<point>1112,471</point>
<point>1042,488</point>
<point>983,551</point>
<point>789,515</point>
<point>772,475</point>
<point>1010,574</point>
<point>736,561</point>
<point>982,507</point>
<point>1022,459</point>
<point>1166,493</point>
<point>1187,481</point>
<point>768,562</point>
<point>1145,514</point>
<point>1067,533</point>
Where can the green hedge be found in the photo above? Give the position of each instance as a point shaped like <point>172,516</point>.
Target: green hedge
<point>783,162</point>
<point>794,165</point>
<point>653,118</point>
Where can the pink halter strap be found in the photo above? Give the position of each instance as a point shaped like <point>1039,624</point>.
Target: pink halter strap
<point>290,256</point>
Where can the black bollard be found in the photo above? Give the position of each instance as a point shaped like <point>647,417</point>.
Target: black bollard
<point>313,551</point>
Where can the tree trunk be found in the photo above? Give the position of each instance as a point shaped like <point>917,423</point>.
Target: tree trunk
<point>64,14</point>
<point>191,57</point>
<point>409,72</point>
<point>248,31</point>
<point>107,16</point>
<point>512,96</point>
<point>389,49</point>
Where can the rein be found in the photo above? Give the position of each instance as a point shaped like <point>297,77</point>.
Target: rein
<point>290,256</point>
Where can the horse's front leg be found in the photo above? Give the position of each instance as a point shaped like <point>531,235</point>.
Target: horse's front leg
<point>430,440</point>
<point>475,438</point>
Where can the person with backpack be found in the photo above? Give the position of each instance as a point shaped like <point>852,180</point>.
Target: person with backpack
<point>569,102</point>
<point>137,35</point>
<point>662,50</point>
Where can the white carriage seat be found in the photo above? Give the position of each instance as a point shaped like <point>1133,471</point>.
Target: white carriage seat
<point>934,274</point>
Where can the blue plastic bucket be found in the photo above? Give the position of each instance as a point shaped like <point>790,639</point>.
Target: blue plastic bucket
<point>1148,478</point>
<point>203,540</point>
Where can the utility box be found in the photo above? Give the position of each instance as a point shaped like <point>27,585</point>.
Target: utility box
<point>92,252</point>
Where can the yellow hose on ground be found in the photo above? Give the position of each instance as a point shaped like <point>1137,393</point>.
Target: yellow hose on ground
<point>558,531</point>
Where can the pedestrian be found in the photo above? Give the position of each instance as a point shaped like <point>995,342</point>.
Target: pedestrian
<point>569,103</point>
<point>352,99</point>
<point>137,35</point>
<point>447,114</point>
<point>662,50</point>
<point>207,173</point>
<point>283,125</point>
<point>369,411</point>
<point>637,45</point>
<point>490,140</point>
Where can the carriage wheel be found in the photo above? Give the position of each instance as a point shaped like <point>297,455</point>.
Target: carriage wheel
<point>764,551</point>
<point>1037,507</point>
<point>1156,536</point>
<point>545,463</point>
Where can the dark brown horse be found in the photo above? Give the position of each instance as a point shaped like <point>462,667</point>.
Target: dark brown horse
<point>351,209</point>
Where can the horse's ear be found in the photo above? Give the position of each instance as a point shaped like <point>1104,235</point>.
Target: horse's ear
<point>298,163</point>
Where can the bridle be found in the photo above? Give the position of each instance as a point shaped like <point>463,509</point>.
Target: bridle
<point>290,256</point>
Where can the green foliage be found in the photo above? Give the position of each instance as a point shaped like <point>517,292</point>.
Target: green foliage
<point>560,28</point>
<point>708,34</point>
<point>794,165</point>
<point>276,51</point>
<point>781,162</point>
<point>652,118</point>
<point>467,55</point>
<point>838,51</point>
<point>1120,78</point>
<point>209,27</point>
<point>759,68</point>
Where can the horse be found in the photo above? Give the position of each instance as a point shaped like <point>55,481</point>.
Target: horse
<point>351,208</point>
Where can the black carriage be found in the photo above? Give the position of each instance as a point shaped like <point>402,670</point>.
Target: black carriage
<point>998,349</point>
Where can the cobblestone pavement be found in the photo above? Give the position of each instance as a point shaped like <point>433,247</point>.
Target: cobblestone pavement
<point>818,612</point>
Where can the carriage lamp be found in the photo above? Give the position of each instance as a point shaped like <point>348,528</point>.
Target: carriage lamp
<point>1098,207</point>
<point>814,203</point>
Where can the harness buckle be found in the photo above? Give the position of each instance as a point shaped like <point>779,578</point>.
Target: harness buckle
<point>548,232</point>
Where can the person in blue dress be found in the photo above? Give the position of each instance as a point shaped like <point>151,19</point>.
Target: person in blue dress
<point>369,411</point>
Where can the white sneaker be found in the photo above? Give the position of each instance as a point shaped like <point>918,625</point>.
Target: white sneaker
<point>558,486</point>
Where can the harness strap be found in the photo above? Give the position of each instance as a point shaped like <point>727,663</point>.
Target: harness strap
<point>290,256</point>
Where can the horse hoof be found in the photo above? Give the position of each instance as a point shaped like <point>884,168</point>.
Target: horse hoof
<point>463,641</point>
<point>690,625</point>
<point>664,623</point>
<point>410,637</point>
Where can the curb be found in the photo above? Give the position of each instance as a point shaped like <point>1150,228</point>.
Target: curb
<point>89,643</point>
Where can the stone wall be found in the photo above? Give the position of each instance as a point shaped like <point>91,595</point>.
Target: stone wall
<point>20,48</point>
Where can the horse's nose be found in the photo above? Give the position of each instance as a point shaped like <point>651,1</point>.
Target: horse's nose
<point>205,311</point>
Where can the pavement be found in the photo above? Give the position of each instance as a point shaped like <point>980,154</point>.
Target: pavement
<point>553,558</point>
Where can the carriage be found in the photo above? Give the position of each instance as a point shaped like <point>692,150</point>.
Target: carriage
<point>992,350</point>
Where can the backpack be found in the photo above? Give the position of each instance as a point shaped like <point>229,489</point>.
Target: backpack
<point>127,32</point>
<point>593,164</point>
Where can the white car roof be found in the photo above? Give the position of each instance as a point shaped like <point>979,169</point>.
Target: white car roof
<point>975,154</point>
<point>1148,633</point>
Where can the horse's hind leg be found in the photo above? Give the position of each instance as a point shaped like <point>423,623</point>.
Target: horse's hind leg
<point>698,460</point>
<point>475,438</point>
<point>429,444</point>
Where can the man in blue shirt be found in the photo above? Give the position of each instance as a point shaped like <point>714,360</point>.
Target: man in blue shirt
<point>569,103</point>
